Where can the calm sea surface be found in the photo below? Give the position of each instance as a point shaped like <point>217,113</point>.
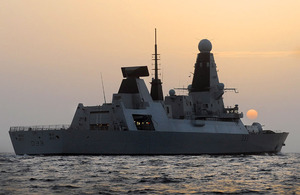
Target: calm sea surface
<point>242,174</point>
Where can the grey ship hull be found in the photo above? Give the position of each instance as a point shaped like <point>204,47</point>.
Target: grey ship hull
<point>88,142</point>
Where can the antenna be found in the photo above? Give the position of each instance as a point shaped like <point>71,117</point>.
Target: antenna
<point>155,59</point>
<point>231,89</point>
<point>156,88</point>
<point>103,88</point>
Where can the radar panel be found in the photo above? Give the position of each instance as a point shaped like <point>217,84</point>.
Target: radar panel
<point>135,71</point>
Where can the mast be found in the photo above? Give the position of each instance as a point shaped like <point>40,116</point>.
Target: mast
<point>103,88</point>
<point>155,58</point>
<point>156,87</point>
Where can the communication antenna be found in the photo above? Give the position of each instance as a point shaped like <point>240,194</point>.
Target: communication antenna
<point>156,87</point>
<point>103,88</point>
<point>231,89</point>
<point>155,59</point>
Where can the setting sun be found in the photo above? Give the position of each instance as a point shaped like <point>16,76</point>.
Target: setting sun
<point>252,114</point>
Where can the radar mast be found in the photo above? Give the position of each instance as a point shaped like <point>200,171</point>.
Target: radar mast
<point>156,87</point>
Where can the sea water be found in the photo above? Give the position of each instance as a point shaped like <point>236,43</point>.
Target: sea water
<point>204,174</point>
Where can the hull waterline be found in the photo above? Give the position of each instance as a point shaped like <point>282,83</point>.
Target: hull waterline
<point>66,142</point>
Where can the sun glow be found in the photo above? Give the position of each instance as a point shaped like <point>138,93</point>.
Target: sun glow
<point>252,114</point>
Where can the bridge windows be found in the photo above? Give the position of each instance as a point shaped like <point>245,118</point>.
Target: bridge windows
<point>143,122</point>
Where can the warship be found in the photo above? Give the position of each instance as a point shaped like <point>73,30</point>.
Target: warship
<point>141,123</point>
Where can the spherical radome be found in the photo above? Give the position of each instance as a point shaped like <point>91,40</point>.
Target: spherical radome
<point>204,46</point>
<point>172,92</point>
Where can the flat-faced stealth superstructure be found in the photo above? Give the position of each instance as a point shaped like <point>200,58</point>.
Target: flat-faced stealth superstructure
<point>136,123</point>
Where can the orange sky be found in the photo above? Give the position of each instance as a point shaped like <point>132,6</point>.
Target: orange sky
<point>52,53</point>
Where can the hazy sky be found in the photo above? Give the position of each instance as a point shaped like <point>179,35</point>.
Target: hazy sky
<point>52,53</point>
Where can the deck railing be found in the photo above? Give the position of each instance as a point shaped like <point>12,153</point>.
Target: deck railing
<point>39,128</point>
